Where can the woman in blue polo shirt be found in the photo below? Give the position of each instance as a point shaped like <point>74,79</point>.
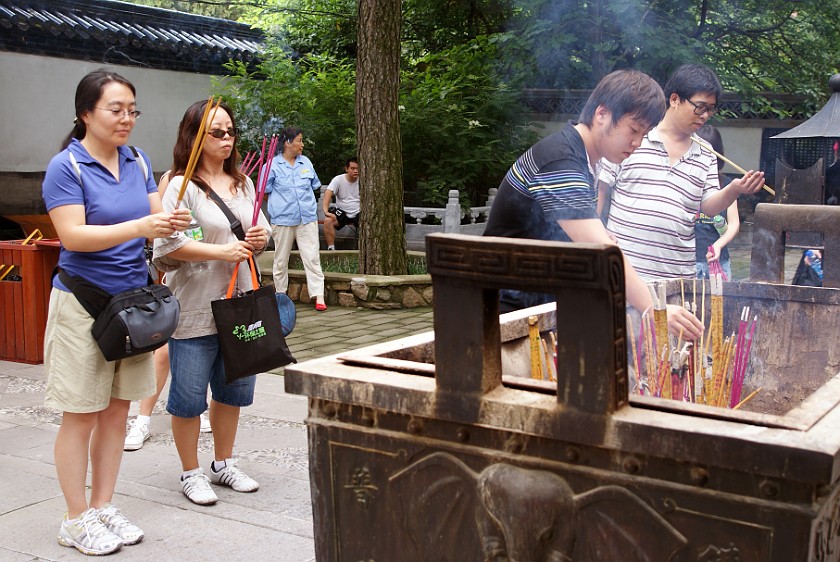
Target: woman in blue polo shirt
<point>104,204</point>
<point>293,213</point>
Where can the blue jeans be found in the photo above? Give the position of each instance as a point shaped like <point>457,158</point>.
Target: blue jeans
<point>701,269</point>
<point>196,363</point>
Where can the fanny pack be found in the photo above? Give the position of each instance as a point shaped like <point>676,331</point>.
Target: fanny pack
<point>128,323</point>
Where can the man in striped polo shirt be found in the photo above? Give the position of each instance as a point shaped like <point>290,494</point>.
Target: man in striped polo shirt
<point>657,192</point>
<point>550,192</point>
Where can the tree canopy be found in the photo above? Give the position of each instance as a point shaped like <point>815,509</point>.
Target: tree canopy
<point>779,46</point>
<point>465,62</point>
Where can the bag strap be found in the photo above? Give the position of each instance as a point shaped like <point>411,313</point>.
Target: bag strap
<point>234,277</point>
<point>235,224</point>
<point>137,158</point>
<point>92,298</point>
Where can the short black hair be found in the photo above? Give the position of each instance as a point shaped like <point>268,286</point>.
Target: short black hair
<point>288,134</point>
<point>626,92</point>
<point>351,159</point>
<point>690,79</point>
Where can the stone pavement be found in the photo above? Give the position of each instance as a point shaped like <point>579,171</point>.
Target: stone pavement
<point>274,523</point>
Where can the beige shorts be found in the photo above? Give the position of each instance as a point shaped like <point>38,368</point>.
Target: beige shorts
<point>79,379</point>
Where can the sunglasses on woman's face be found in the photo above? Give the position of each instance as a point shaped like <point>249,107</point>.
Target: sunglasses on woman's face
<point>220,133</point>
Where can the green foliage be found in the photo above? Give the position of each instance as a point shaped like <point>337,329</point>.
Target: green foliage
<point>212,8</point>
<point>461,123</point>
<point>315,93</point>
<point>755,46</point>
<point>464,62</point>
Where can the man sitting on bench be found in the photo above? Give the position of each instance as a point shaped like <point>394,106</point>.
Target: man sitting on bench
<point>347,203</point>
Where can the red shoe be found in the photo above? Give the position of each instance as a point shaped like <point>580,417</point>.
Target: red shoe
<point>319,306</point>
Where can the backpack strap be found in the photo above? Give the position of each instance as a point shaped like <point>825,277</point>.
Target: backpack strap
<point>139,159</point>
<point>76,167</point>
<point>141,162</point>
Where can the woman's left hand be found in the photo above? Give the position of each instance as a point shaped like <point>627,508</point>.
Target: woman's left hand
<point>257,237</point>
<point>180,219</point>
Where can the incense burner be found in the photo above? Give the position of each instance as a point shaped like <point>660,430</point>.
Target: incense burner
<point>440,447</point>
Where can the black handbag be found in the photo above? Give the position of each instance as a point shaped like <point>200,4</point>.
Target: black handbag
<point>128,323</point>
<point>250,331</point>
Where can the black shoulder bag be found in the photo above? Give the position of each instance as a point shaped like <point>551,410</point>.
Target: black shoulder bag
<point>128,323</point>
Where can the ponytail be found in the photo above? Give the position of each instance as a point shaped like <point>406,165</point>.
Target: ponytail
<point>78,132</point>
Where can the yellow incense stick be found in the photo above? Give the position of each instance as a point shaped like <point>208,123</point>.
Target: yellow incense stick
<point>631,338</point>
<point>198,145</point>
<point>717,375</point>
<point>731,163</point>
<point>747,399</point>
<point>650,355</point>
<point>665,373</point>
<point>194,151</point>
<point>534,337</point>
<point>548,362</point>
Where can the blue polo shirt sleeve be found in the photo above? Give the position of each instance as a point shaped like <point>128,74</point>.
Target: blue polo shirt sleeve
<point>61,183</point>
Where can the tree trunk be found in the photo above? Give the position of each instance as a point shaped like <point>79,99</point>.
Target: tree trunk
<point>382,228</point>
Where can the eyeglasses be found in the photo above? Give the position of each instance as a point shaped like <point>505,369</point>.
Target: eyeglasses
<point>701,108</point>
<point>117,113</point>
<point>220,133</point>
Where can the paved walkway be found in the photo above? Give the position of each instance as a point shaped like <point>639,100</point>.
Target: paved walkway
<point>274,523</point>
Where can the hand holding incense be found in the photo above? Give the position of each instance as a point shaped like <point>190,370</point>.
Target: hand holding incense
<point>727,160</point>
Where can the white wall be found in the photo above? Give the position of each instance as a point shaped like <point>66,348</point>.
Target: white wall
<point>742,145</point>
<point>37,95</point>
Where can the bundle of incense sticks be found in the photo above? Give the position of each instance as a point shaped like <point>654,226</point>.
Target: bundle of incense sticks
<point>262,178</point>
<point>714,266</point>
<point>686,371</point>
<point>745,338</point>
<point>251,162</point>
<point>198,144</point>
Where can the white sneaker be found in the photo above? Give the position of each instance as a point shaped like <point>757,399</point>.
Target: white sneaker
<point>88,534</point>
<point>205,424</point>
<point>137,434</point>
<point>198,490</point>
<point>233,477</point>
<point>119,524</point>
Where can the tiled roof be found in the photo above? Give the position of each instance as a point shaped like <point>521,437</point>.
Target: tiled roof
<point>114,32</point>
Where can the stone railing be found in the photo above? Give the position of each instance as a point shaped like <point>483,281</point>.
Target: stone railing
<point>450,218</point>
<point>379,292</point>
<point>444,219</point>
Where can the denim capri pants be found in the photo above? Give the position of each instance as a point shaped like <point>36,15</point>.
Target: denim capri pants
<point>195,363</point>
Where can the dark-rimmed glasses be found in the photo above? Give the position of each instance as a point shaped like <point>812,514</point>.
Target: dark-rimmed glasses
<point>220,133</point>
<point>117,113</point>
<point>701,108</point>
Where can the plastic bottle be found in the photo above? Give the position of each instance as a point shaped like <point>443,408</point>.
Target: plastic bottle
<point>720,224</point>
<point>194,230</point>
<point>816,262</point>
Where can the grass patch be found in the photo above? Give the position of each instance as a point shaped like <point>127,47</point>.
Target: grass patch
<point>349,263</point>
